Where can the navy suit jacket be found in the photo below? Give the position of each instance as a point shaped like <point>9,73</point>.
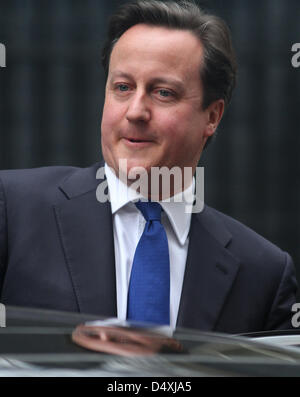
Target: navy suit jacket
<point>57,252</point>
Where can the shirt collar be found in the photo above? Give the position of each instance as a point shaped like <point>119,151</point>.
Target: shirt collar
<point>121,195</point>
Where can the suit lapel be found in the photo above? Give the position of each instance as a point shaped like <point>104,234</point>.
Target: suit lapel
<point>209,275</point>
<point>86,233</point>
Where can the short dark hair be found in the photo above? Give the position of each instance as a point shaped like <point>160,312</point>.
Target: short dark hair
<point>218,71</point>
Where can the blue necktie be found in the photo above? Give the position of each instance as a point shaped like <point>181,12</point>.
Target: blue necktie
<point>149,287</point>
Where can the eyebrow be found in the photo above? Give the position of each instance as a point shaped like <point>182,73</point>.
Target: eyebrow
<point>157,80</point>
<point>118,73</point>
<point>178,84</point>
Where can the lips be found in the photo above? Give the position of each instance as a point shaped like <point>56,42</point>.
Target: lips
<point>136,142</point>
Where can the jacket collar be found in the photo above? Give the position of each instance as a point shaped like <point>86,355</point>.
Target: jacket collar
<point>81,181</point>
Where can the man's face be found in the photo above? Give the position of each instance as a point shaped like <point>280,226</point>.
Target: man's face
<point>153,113</point>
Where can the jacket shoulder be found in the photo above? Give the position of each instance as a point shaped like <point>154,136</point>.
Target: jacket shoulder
<point>32,183</point>
<point>243,241</point>
<point>34,175</point>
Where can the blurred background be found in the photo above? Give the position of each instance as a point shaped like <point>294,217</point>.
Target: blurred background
<point>52,91</point>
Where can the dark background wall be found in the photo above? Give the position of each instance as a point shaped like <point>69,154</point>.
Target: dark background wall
<point>51,97</point>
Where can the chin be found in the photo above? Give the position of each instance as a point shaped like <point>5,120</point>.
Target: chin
<point>131,165</point>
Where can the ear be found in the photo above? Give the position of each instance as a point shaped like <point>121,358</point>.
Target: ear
<point>214,113</point>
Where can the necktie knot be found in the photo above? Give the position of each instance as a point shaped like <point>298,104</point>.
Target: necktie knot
<point>151,210</point>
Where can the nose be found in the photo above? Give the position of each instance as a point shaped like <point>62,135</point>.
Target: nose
<point>138,109</point>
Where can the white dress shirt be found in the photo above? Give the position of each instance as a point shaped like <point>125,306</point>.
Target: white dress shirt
<point>128,226</point>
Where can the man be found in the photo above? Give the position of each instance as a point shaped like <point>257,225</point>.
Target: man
<point>170,74</point>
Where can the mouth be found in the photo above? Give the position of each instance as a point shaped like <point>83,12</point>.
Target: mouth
<point>137,143</point>
<point>136,140</point>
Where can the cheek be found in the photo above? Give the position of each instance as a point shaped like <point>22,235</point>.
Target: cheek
<point>181,133</point>
<point>173,129</point>
<point>168,124</point>
<point>109,122</point>
<point>107,117</point>
<point>113,111</point>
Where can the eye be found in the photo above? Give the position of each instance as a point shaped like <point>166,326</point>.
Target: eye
<point>165,93</point>
<point>122,87</point>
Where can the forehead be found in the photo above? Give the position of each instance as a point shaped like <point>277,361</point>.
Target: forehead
<point>164,49</point>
